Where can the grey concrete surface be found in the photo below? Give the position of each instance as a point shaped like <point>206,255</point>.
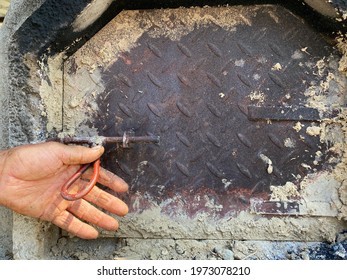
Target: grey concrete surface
<point>18,12</point>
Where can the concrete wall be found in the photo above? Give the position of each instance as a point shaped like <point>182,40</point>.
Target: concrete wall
<point>18,12</point>
<point>5,214</point>
<point>21,119</point>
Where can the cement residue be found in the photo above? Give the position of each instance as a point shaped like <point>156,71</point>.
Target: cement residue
<point>326,95</point>
<point>173,249</point>
<point>334,130</point>
<point>45,85</point>
<point>51,91</point>
<point>324,193</point>
<point>289,143</point>
<point>77,100</point>
<point>298,126</point>
<point>284,193</point>
<point>319,195</point>
<point>166,249</point>
<point>342,46</point>
<point>340,149</point>
<point>80,92</point>
<point>276,67</point>
<point>260,250</point>
<point>152,223</point>
<point>313,130</point>
<point>46,79</point>
<point>163,22</point>
<point>267,161</point>
<point>129,26</point>
<point>257,96</point>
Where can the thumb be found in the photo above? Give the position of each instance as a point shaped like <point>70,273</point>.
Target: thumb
<point>79,154</point>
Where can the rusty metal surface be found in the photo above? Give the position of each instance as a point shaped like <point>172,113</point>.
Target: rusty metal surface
<point>283,113</point>
<point>290,113</point>
<point>259,206</point>
<point>194,93</point>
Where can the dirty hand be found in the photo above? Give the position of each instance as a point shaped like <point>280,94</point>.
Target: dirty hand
<point>31,177</point>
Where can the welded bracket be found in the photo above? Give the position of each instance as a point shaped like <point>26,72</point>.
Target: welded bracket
<point>292,208</point>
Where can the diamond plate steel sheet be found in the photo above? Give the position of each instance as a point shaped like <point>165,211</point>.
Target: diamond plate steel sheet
<point>192,83</point>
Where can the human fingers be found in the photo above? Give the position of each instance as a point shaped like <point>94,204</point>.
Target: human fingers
<point>108,179</point>
<point>87,212</point>
<point>70,155</point>
<point>70,223</point>
<point>107,201</point>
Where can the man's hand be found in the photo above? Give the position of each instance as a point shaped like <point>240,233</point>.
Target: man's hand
<point>31,177</point>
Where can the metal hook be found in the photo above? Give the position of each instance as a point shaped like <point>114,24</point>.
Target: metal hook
<point>96,173</point>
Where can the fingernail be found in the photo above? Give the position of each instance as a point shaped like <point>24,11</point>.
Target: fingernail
<point>96,147</point>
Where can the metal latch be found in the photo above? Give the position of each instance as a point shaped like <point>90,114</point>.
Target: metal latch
<point>125,141</point>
